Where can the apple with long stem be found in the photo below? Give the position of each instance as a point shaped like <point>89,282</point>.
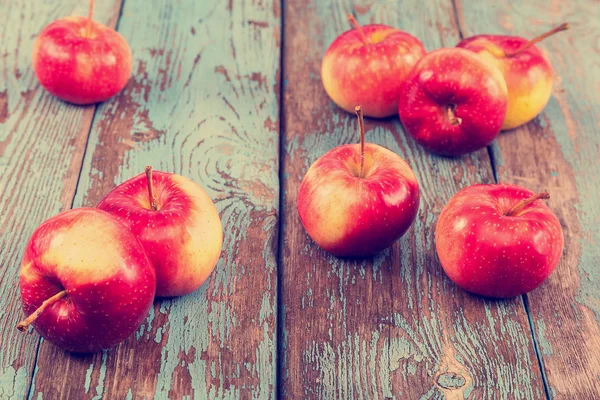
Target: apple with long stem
<point>80,60</point>
<point>86,281</point>
<point>176,222</point>
<point>498,240</point>
<point>453,102</point>
<point>367,65</point>
<point>358,199</point>
<point>527,72</point>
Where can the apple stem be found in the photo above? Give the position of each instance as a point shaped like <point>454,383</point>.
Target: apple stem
<point>543,36</point>
<point>360,29</point>
<point>90,13</point>
<point>24,325</point>
<point>454,120</point>
<point>361,126</point>
<point>148,170</point>
<point>517,208</point>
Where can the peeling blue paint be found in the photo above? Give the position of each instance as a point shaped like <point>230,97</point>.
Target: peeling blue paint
<point>88,378</point>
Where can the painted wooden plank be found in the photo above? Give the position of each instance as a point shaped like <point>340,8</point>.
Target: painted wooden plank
<point>203,102</point>
<point>560,152</point>
<point>392,326</point>
<point>41,149</point>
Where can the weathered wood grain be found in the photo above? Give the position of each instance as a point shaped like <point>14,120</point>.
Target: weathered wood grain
<point>392,326</point>
<point>203,102</point>
<point>42,140</point>
<point>560,152</point>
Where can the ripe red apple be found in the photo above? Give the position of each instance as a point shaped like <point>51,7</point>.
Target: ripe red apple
<point>498,240</point>
<point>177,224</point>
<point>453,102</point>
<point>356,200</point>
<point>86,281</point>
<point>527,72</point>
<point>367,65</point>
<point>80,60</point>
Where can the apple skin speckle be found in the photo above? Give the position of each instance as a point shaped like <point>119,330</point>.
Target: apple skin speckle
<point>352,216</point>
<point>370,74</point>
<point>487,252</point>
<point>183,237</point>
<point>528,75</point>
<point>110,285</point>
<point>81,68</point>
<point>452,102</point>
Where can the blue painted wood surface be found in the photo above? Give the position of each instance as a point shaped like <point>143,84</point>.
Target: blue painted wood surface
<point>42,141</point>
<point>205,101</point>
<point>560,152</point>
<point>202,102</point>
<point>393,326</point>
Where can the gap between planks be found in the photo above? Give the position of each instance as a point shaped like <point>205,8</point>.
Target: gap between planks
<point>279,324</point>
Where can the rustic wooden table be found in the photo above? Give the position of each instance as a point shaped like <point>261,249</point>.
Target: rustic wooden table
<point>228,93</point>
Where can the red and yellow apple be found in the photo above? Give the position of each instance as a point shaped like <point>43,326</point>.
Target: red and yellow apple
<point>358,199</point>
<point>176,222</point>
<point>453,102</point>
<point>498,240</point>
<point>80,60</point>
<point>86,281</point>
<point>527,72</point>
<point>367,65</point>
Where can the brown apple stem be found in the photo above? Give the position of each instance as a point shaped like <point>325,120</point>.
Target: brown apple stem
<point>454,120</point>
<point>148,170</point>
<point>517,208</point>
<point>543,36</point>
<point>360,29</point>
<point>24,325</point>
<point>361,126</point>
<point>89,22</point>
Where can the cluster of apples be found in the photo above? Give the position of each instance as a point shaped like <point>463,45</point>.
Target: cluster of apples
<point>494,240</point>
<point>89,275</point>
<point>453,100</point>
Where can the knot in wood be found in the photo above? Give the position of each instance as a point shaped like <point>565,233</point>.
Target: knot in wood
<point>451,380</point>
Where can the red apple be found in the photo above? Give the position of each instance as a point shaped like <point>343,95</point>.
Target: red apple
<point>527,72</point>
<point>367,65</point>
<point>80,60</point>
<point>498,240</point>
<point>356,200</point>
<point>86,281</point>
<point>177,224</point>
<point>453,102</point>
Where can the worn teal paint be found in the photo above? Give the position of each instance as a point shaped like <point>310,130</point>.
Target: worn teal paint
<point>427,328</point>
<point>508,375</point>
<point>41,146</point>
<point>409,353</point>
<point>88,378</point>
<point>145,329</point>
<point>159,333</point>
<point>566,309</point>
<point>582,153</point>
<point>102,377</point>
<point>13,383</point>
<point>356,369</point>
<point>545,345</point>
<point>203,103</point>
